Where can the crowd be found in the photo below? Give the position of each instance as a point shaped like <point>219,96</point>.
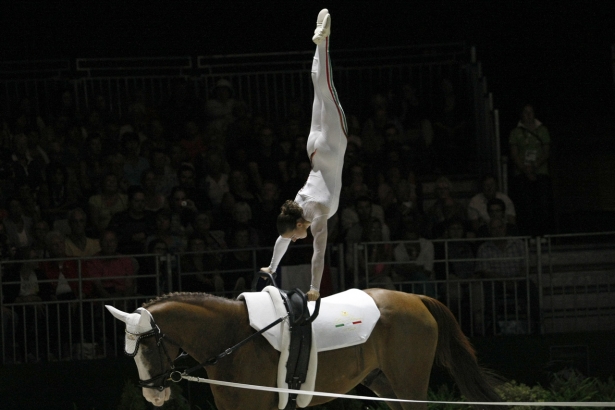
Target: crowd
<point>183,175</point>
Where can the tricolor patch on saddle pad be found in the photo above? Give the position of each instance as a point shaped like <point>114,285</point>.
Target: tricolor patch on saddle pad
<point>345,319</point>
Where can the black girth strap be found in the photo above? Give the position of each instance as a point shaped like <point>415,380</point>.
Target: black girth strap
<point>300,341</point>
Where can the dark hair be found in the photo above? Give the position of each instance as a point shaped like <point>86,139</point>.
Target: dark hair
<point>363,198</point>
<point>133,190</point>
<point>496,201</point>
<point>487,177</point>
<point>290,212</point>
<point>130,136</point>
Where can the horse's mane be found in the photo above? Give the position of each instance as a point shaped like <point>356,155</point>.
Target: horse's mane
<point>186,297</point>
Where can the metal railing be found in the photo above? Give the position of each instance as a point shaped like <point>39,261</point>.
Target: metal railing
<point>566,283</point>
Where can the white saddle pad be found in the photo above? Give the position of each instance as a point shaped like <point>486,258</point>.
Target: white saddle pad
<point>345,319</point>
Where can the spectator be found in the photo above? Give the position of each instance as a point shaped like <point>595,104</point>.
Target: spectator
<point>77,243</point>
<point>109,202</point>
<point>414,257</point>
<point>39,244</point>
<point>200,267</point>
<point>213,179</point>
<point>63,273</point>
<point>242,215</point>
<point>354,186</point>
<point>377,266</point>
<point>183,212</point>
<point>364,209</point>
<point>58,194</point>
<point>266,210</point>
<point>496,208</point>
<point>92,169</point>
<point>166,177</point>
<point>18,227</point>
<point>134,163</point>
<point>445,207</point>
<point>238,187</point>
<point>133,225</point>
<point>499,259</point>
<point>266,159</point>
<point>192,140</point>
<point>164,233</point>
<point>477,208</point>
<point>26,168</point>
<point>219,108</point>
<point>153,199</point>
<point>530,151</point>
<point>28,202</point>
<point>238,265</point>
<point>214,239</point>
<point>112,273</point>
<point>186,179</point>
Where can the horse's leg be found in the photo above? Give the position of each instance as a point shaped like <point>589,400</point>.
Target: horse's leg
<point>407,354</point>
<point>377,382</point>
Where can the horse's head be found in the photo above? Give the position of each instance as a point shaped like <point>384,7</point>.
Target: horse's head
<point>146,343</point>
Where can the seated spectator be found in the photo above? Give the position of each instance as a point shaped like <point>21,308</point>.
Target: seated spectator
<point>414,257</point>
<point>477,208</point>
<point>92,168</point>
<point>39,245</point>
<point>499,259</point>
<point>29,205</point>
<point>164,232</point>
<point>112,273</point>
<point>153,200</point>
<point>496,208</point>
<point>266,159</point>
<point>445,207</point>
<point>165,176</point>
<point>58,194</point>
<point>238,187</point>
<point>18,227</point>
<point>356,214</point>
<point>134,163</point>
<point>242,215</point>
<point>133,225</point>
<point>219,108</point>
<point>77,243</point>
<point>266,210</point>
<point>238,266</point>
<point>214,239</point>
<point>358,231</point>
<point>109,202</point>
<point>25,168</point>
<point>183,212</point>
<point>354,188</point>
<point>375,267</point>
<point>200,268</point>
<point>186,178</point>
<point>213,178</point>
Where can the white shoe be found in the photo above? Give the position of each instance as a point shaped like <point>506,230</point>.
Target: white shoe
<point>323,26</point>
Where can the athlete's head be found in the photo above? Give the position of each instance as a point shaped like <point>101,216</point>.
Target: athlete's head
<point>291,224</point>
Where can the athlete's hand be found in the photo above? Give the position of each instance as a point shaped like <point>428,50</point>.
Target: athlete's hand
<point>313,295</point>
<point>266,270</point>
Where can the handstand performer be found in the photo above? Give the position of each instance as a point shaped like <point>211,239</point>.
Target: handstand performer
<point>319,198</point>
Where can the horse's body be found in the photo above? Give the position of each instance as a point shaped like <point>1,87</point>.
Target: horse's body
<point>413,330</point>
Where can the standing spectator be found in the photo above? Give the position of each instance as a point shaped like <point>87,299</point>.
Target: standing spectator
<point>133,225</point>
<point>18,227</point>
<point>77,243</point>
<point>111,273</point>
<point>445,207</point>
<point>477,208</point>
<point>219,108</point>
<point>530,144</point>
<point>109,202</point>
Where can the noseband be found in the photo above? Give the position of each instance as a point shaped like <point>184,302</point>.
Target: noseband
<point>161,381</point>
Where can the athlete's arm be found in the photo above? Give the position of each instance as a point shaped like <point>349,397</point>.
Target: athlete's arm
<point>281,245</point>
<point>319,232</point>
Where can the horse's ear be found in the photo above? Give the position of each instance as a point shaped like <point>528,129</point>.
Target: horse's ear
<point>123,316</point>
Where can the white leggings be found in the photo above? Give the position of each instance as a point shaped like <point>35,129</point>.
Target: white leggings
<point>327,141</point>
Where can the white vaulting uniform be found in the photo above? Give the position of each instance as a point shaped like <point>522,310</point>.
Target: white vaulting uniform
<point>326,145</point>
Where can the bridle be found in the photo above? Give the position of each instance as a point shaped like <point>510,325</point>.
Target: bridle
<point>162,380</point>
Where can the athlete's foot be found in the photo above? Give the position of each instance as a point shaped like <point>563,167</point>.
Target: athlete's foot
<point>323,26</point>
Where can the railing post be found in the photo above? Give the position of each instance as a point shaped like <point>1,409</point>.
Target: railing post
<point>539,280</point>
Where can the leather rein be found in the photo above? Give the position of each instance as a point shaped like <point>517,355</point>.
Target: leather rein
<point>162,380</point>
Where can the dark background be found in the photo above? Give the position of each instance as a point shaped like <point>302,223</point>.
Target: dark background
<point>556,54</point>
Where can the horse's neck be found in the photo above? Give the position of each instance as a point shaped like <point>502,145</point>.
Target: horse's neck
<point>206,329</point>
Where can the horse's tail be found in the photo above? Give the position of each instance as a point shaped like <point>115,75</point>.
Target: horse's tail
<point>456,354</point>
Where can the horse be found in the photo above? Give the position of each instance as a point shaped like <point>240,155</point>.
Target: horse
<point>413,332</point>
